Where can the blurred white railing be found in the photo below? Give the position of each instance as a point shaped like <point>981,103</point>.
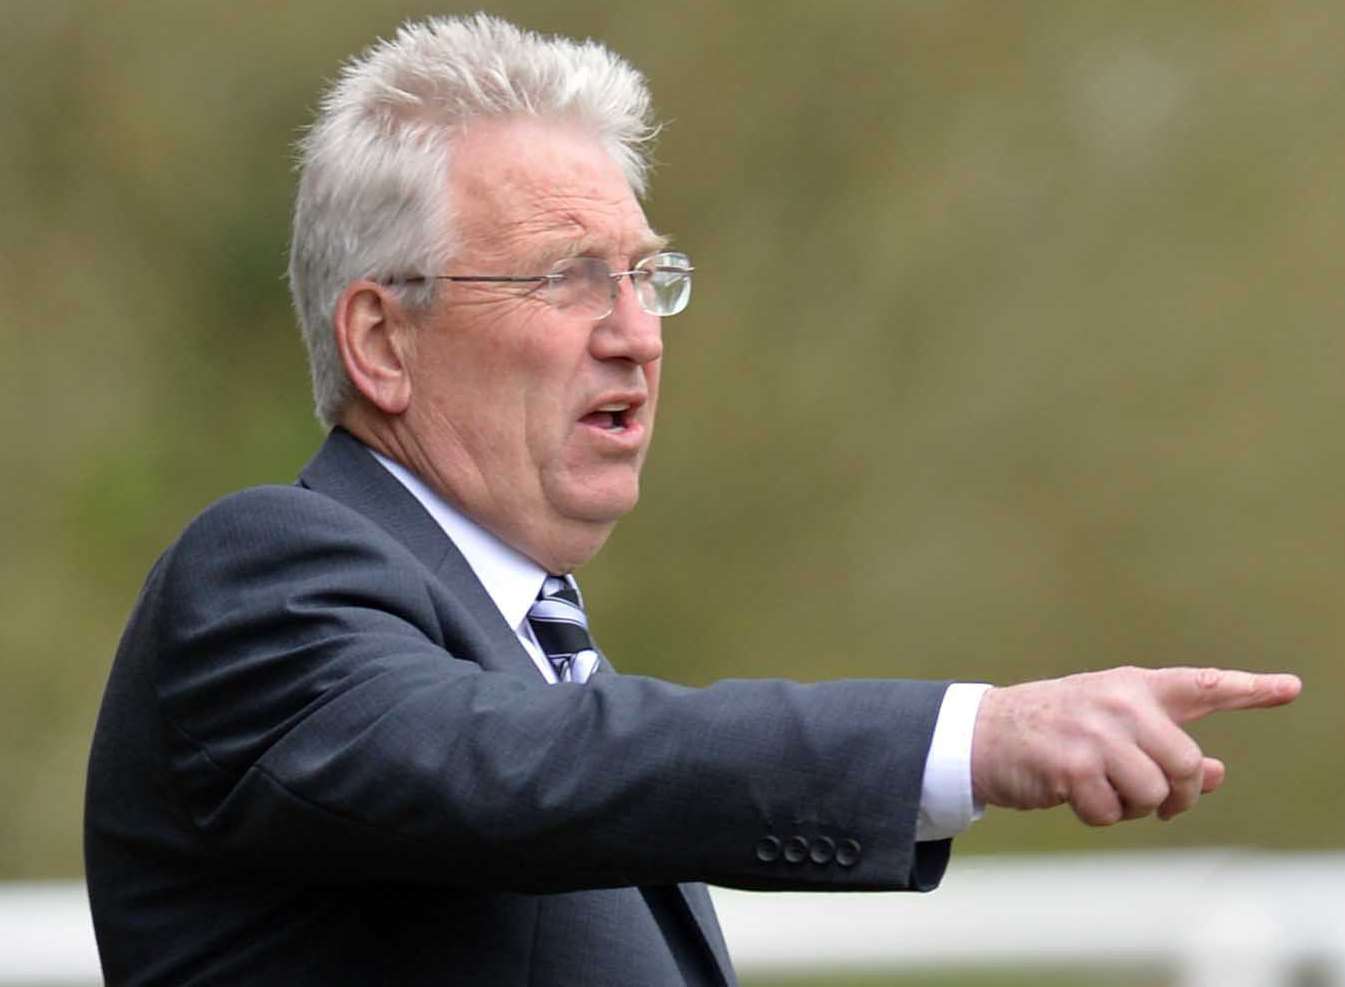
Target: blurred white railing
<point>46,935</point>
<point>1207,918</point>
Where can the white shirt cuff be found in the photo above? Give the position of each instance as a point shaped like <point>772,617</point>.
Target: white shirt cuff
<point>946,803</point>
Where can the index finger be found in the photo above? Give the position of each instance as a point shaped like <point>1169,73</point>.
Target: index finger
<point>1190,693</point>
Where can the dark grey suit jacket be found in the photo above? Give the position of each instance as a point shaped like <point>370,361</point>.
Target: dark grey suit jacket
<point>323,758</point>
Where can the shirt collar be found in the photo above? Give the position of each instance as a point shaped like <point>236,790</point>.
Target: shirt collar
<point>510,578</point>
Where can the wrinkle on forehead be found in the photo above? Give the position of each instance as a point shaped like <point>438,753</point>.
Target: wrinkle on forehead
<point>567,223</point>
<point>526,207</point>
<point>569,236</point>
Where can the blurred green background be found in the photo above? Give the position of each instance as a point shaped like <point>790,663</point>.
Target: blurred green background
<point>1016,350</point>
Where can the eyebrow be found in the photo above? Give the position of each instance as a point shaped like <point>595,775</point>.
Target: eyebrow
<point>652,243</point>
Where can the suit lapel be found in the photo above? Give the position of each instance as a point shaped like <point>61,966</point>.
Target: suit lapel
<point>346,471</point>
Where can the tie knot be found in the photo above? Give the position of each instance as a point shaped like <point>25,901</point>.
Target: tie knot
<point>561,588</point>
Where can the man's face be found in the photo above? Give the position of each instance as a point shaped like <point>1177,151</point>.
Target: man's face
<point>512,403</point>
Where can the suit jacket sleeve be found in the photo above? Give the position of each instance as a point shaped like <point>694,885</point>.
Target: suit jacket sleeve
<point>319,720</point>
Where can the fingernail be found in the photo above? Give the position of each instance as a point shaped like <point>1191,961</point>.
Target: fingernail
<point>1288,685</point>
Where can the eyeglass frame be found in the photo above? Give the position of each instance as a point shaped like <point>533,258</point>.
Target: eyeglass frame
<point>553,276</point>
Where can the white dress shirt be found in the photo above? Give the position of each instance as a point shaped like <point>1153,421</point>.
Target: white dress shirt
<point>512,581</point>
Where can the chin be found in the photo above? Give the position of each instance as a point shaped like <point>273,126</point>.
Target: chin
<point>602,505</point>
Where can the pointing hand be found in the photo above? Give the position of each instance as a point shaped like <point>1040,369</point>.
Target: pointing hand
<point>1109,743</point>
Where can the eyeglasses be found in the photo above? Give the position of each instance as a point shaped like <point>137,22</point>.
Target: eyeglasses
<point>587,285</point>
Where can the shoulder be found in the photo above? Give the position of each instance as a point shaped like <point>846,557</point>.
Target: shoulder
<point>263,536</point>
<point>267,517</point>
<point>275,509</point>
<point>274,571</point>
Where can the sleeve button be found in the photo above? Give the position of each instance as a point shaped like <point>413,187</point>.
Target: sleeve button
<point>796,849</point>
<point>847,853</point>
<point>768,849</point>
<point>823,850</point>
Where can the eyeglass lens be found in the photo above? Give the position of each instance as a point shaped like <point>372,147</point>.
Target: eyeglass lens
<point>662,284</point>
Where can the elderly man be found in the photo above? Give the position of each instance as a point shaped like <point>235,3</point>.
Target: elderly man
<point>357,732</point>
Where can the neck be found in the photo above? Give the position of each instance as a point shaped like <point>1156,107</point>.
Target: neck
<point>558,548</point>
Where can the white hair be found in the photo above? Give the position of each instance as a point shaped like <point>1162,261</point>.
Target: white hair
<point>372,200</point>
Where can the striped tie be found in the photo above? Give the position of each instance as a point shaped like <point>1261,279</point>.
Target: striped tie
<point>561,628</point>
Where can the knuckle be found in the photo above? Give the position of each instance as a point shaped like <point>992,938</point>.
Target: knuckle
<point>1077,767</point>
<point>1144,795</point>
<point>1114,702</point>
<point>1154,795</point>
<point>1187,763</point>
<point>1126,674</point>
<point>1208,679</point>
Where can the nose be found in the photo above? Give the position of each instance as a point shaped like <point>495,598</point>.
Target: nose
<point>628,332</point>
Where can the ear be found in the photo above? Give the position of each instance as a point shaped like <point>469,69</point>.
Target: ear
<point>370,327</point>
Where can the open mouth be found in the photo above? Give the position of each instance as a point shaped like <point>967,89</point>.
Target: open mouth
<point>608,417</point>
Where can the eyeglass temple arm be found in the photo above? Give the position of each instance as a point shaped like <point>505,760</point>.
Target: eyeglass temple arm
<point>651,270</point>
<point>485,277</point>
<point>535,277</point>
